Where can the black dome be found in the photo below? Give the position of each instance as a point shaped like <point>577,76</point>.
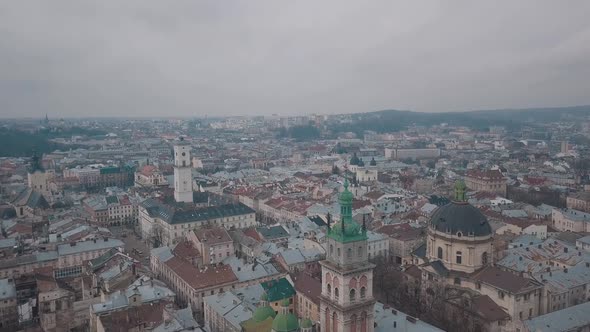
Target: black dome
<point>460,217</point>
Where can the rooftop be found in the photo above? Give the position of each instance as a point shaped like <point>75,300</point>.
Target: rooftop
<point>90,245</point>
<point>574,215</point>
<point>201,278</point>
<point>278,289</point>
<point>386,318</point>
<point>568,319</point>
<point>272,232</point>
<point>173,214</point>
<point>505,280</point>
<point>212,236</point>
<point>7,289</point>
<point>308,286</point>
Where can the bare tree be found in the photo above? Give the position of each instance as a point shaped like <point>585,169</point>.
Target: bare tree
<point>157,235</point>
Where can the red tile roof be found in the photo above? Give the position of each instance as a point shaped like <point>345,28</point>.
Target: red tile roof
<point>186,250</point>
<point>402,232</point>
<point>308,286</point>
<point>212,236</point>
<point>148,170</point>
<point>201,278</point>
<point>504,280</point>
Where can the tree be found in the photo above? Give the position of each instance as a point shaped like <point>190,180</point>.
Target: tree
<point>157,236</point>
<point>335,170</point>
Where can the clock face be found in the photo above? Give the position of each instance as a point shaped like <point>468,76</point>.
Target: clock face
<point>184,154</point>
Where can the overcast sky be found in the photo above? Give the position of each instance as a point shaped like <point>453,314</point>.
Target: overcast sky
<point>191,58</point>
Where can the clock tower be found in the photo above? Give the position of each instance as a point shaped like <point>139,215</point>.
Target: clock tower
<point>183,178</point>
<point>347,301</point>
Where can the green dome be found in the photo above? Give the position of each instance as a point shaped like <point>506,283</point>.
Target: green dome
<point>285,303</point>
<point>306,323</point>
<point>354,160</point>
<point>285,323</point>
<point>262,313</point>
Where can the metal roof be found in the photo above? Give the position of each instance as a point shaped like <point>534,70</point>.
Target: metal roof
<point>568,319</point>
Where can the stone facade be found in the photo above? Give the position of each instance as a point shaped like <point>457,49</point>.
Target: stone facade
<point>459,253</point>
<point>491,181</point>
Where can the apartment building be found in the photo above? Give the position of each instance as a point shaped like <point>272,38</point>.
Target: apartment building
<point>214,244</point>
<point>570,220</point>
<point>169,224</point>
<point>491,181</point>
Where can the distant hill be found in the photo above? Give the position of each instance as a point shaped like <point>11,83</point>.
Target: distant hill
<point>396,120</point>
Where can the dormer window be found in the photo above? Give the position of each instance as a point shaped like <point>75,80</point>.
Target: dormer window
<point>459,234</point>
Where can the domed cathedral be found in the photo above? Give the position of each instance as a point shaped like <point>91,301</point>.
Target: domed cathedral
<point>459,235</point>
<point>346,301</point>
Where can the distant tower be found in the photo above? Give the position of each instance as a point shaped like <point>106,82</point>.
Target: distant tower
<point>346,302</point>
<point>183,182</point>
<point>564,147</point>
<point>37,178</point>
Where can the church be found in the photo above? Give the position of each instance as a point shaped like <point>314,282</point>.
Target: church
<point>459,259</point>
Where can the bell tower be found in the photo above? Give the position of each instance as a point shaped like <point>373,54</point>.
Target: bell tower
<point>183,178</point>
<point>347,275</point>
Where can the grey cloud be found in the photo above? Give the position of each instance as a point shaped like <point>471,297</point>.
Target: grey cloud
<point>192,58</point>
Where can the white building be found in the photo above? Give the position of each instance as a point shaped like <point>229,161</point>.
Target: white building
<point>183,182</point>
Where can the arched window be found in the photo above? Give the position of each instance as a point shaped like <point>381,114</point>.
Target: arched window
<point>338,251</point>
<point>352,295</point>
<point>459,234</point>
<point>363,292</point>
<point>484,258</point>
<point>331,250</point>
<point>360,251</point>
<point>329,288</point>
<point>336,293</point>
<point>458,257</point>
<point>440,253</point>
<point>349,253</point>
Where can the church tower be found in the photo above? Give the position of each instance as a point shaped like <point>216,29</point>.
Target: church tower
<point>183,178</point>
<point>347,275</point>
